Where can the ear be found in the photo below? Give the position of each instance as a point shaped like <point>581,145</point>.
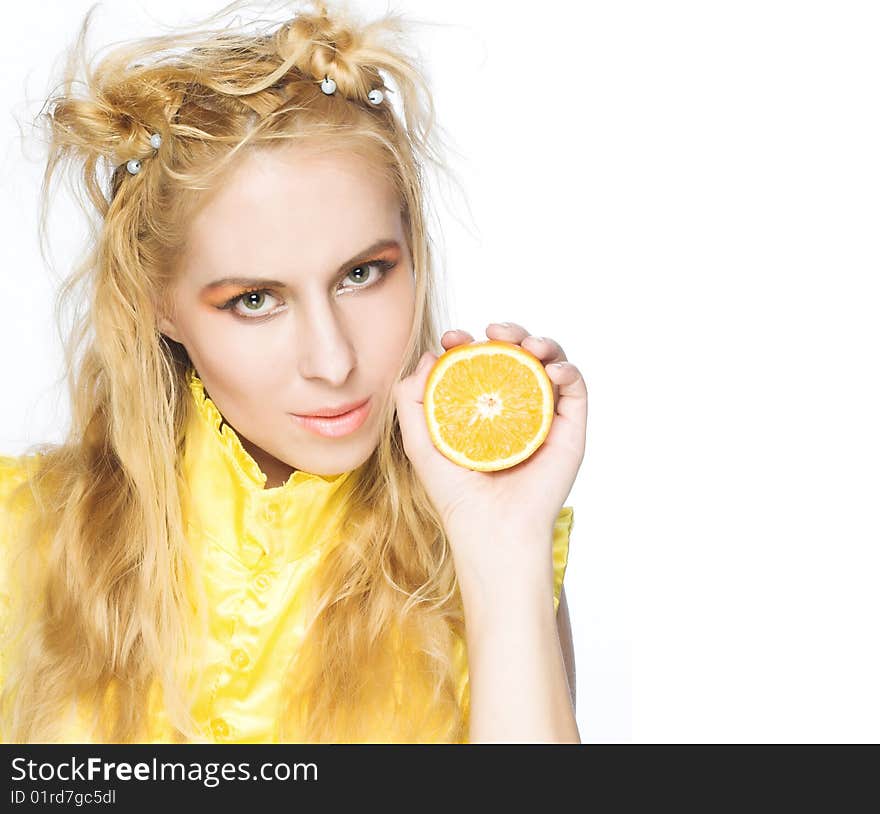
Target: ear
<point>167,327</point>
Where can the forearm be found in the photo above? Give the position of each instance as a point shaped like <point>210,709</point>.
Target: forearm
<point>518,686</point>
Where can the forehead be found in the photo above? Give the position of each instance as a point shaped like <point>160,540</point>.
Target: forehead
<point>292,208</point>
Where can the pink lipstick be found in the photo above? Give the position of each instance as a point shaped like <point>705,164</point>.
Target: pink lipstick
<point>338,425</point>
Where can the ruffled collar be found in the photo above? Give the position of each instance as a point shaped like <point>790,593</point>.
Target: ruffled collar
<point>246,470</point>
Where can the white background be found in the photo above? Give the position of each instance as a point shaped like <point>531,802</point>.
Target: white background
<point>684,195</point>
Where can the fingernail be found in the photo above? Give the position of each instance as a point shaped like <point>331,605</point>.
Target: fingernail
<point>504,324</point>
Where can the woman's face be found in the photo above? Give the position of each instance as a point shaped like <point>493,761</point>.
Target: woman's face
<point>325,318</point>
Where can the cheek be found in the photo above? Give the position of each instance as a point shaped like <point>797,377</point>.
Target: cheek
<point>232,386</point>
<point>216,335</point>
<point>231,359</point>
<point>384,330</point>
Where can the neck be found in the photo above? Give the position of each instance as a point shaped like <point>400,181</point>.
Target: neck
<point>277,472</point>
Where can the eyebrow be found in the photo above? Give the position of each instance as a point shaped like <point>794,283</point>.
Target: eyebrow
<point>366,254</point>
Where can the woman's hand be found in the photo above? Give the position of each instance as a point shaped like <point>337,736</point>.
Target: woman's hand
<point>504,517</point>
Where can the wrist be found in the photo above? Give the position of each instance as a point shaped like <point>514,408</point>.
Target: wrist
<point>518,624</point>
<point>504,597</point>
<point>503,567</point>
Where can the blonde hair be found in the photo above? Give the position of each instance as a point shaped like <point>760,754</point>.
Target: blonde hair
<point>102,555</point>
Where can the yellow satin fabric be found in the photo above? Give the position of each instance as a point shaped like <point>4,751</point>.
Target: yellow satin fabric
<point>256,548</point>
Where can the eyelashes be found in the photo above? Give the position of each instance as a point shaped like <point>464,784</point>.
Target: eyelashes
<point>383,266</point>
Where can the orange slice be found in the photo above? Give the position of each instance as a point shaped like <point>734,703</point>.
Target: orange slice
<point>489,405</point>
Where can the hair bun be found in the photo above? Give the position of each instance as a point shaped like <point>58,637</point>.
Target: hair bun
<point>320,46</point>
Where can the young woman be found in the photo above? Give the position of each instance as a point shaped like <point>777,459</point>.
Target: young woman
<point>200,560</point>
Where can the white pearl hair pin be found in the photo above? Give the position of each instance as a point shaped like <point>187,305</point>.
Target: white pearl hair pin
<point>328,85</point>
<point>134,165</point>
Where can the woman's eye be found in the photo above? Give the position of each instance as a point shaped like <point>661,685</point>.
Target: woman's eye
<point>383,267</point>
<point>251,302</point>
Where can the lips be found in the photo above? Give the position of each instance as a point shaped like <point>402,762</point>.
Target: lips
<point>334,411</point>
<point>335,426</point>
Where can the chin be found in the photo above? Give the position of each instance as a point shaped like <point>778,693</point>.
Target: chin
<point>333,461</point>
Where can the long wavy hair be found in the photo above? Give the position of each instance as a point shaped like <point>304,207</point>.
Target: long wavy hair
<point>113,602</point>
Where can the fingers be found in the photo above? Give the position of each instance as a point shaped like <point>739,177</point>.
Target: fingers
<point>546,349</point>
<point>507,331</point>
<point>572,403</point>
<point>452,338</point>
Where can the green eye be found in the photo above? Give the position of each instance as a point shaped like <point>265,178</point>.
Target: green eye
<point>383,266</point>
<point>254,299</point>
<point>248,298</point>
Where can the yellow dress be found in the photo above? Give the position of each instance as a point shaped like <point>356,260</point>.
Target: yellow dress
<point>256,547</point>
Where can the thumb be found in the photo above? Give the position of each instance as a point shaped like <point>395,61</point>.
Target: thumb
<point>426,362</point>
<point>409,397</point>
<point>416,381</point>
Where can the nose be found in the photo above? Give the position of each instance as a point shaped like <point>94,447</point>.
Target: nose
<point>324,346</point>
